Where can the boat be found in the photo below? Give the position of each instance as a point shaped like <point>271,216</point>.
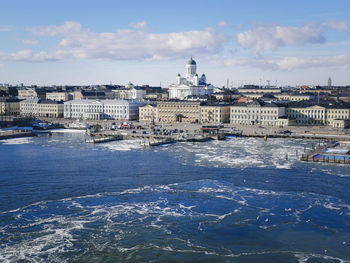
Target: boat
<point>44,125</point>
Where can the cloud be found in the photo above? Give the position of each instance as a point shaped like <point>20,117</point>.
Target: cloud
<point>128,44</point>
<point>224,24</point>
<point>338,25</point>
<point>139,25</point>
<point>4,28</point>
<point>30,41</point>
<point>291,63</point>
<point>67,29</point>
<point>28,56</point>
<point>267,36</point>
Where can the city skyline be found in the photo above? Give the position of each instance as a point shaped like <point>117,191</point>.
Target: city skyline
<point>250,42</point>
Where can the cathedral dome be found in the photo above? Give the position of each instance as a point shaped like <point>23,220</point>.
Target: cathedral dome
<point>191,62</point>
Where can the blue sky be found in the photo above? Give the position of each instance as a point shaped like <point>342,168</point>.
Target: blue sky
<point>149,42</point>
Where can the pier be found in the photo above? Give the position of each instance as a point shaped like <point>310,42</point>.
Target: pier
<point>337,152</point>
<point>9,134</point>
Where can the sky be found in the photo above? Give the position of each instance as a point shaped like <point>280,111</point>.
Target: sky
<point>149,42</point>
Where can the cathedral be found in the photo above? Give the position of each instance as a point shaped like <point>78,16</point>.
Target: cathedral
<point>191,84</point>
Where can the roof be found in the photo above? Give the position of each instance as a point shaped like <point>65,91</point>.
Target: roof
<point>50,102</point>
<point>325,104</point>
<point>191,62</point>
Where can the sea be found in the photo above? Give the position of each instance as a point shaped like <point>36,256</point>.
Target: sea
<point>239,200</point>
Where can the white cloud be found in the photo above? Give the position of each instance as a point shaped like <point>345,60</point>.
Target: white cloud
<point>5,28</point>
<point>291,63</point>
<point>28,56</point>
<point>30,41</point>
<point>339,25</point>
<point>128,44</point>
<point>139,25</point>
<point>267,36</point>
<point>67,29</point>
<point>222,24</point>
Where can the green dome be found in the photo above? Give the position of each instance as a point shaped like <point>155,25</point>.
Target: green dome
<point>191,62</point>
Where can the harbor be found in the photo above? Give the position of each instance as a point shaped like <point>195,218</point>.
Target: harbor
<point>336,152</point>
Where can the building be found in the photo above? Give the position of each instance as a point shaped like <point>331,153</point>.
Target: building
<point>130,92</point>
<point>148,113</point>
<point>32,93</point>
<point>257,90</point>
<point>215,114</point>
<point>59,96</point>
<point>258,112</point>
<point>191,84</point>
<point>29,107</point>
<point>50,108</point>
<point>102,109</point>
<point>9,106</point>
<point>178,111</point>
<point>325,113</point>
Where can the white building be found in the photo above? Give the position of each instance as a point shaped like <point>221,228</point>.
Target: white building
<point>192,84</point>
<point>102,109</point>
<point>29,107</point>
<point>257,113</point>
<point>130,92</point>
<point>58,96</point>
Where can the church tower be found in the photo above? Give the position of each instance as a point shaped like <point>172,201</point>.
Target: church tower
<point>191,68</point>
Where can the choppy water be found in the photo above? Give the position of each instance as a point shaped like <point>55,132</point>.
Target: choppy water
<point>240,200</point>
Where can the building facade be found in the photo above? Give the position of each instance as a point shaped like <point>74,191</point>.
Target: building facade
<point>29,107</point>
<point>50,108</point>
<point>178,111</point>
<point>9,106</point>
<point>215,114</point>
<point>326,113</point>
<point>192,84</point>
<point>102,109</point>
<point>148,113</point>
<point>257,113</point>
<point>59,96</point>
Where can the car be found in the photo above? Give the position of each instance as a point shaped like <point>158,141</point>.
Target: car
<point>144,132</point>
<point>133,131</point>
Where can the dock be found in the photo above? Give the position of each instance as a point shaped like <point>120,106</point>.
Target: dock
<point>336,152</point>
<point>9,134</point>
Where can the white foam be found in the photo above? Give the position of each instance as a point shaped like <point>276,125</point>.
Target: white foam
<point>67,131</point>
<point>122,145</point>
<point>17,141</point>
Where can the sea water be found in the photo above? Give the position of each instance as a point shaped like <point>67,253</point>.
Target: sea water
<point>239,200</point>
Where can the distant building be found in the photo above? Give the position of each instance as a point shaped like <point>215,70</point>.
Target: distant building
<point>130,92</point>
<point>191,84</point>
<point>59,96</point>
<point>215,114</point>
<point>102,109</point>
<point>325,113</point>
<point>178,111</point>
<point>32,93</point>
<point>29,107</point>
<point>258,113</point>
<point>329,82</point>
<point>257,90</point>
<point>50,108</point>
<point>9,106</point>
<point>148,113</point>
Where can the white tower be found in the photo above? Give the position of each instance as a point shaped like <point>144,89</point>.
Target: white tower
<point>191,68</point>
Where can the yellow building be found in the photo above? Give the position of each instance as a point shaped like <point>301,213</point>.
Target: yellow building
<point>178,111</point>
<point>215,114</point>
<point>50,108</point>
<point>329,113</point>
<point>9,106</point>
<point>148,113</point>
